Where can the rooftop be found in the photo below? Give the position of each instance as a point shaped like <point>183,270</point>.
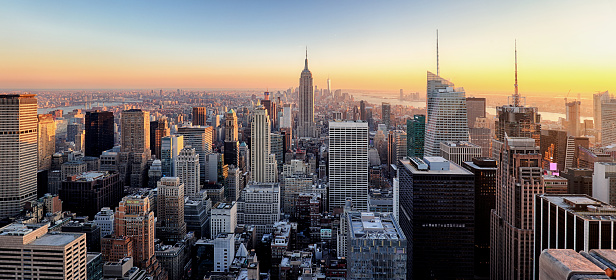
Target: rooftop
<point>91,176</point>
<point>583,206</point>
<point>368,225</point>
<point>56,239</point>
<point>454,169</point>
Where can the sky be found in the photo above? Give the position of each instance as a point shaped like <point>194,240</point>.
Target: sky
<point>364,45</point>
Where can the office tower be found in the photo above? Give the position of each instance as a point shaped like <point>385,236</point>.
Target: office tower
<point>18,146</point>
<point>116,248</point>
<point>292,187</point>
<point>263,167</point>
<point>199,116</point>
<point>39,254</point>
<point>215,170</point>
<point>603,180</point>
<point>287,117</point>
<point>554,184</point>
<point>556,264</point>
<point>485,200</point>
<point>199,138</point>
<point>87,193</point>
<point>72,129</point>
<point>73,168</point>
<point>46,141</point>
<point>518,180</point>
<point>158,130</point>
<point>188,170</point>
<point>572,221</point>
<point>598,99</point>
<point>277,148</point>
<point>475,108</point>
<point>587,158</point>
<point>259,205</point>
<point>232,144</point>
<point>608,122</point>
<point>362,110</point>
<point>573,118</point>
<point>104,219</point>
<point>415,136</point>
<point>154,173</point>
<point>135,150</point>
<point>377,247</point>
<point>233,183</point>
<point>482,137</point>
<point>174,259</point>
<point>94,266</point>
<point>92,231</point>
<point>554,148</point>
<point>224,250</point>
<point>459,152</point>
<point>396,148</point>
<point>170,225</point>
<point>224,218</point>
<point>196,210</point>
<point>386,114</point>
<point>446,114</point>
<point>348,164</point>
<point>579,180</point>
<point>244,161</point>
<point>437,212</point>
<point>135,219</point>
<point>99,132</point>
<point>270,106</point>
<point>169,151</point>
<point>305,124</point>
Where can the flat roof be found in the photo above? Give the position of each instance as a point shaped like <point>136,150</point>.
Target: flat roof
<point>56,239</point>
<point>572,260</point>
<point>583,206</point>
<point>454,169</point>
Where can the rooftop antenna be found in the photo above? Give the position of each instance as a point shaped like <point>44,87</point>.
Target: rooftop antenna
<point>437,67</point>
<point>516,94</point>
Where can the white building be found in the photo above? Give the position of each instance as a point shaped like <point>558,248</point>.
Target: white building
<point>188,169</point>
<point>200,138</point>
<point>348,164</point>
<point>224,218</point>
<point>460,151</point>
<point>263,167</point>
<point>604,182</point>
<point>224,251</point>
<point>446,114</point>
<point>170,147</point>
<point>287,117</point>
<point>259,205</point>
<point>104,219</point>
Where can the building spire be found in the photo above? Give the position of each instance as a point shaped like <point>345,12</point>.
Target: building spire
<point>437,66</point>
<point>306,62</point>
<point>516,94</point>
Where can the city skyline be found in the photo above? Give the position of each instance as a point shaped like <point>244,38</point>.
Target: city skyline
<point>368,46</point>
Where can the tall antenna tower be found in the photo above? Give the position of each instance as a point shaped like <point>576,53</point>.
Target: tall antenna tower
<point>516,94</point>
<point>437,66</point>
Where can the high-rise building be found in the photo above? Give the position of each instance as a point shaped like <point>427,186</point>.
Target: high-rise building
<point>597,100</point>
<point>99,132</point>
<point>608,122</point>
<point>386,114</point>
<point>263,166</point>
<point>135,150</point>
<point>362,111</point>
<point>232,145</point>
<point>170,225</point>
<point>485,200</point>
<point>396,148</point>
<point>196,214</point>
<point>556,264</point>
<point>270,106</point>
<point>573,118</point>
<point>603,182</point>
<point>437,212</point>
<point>348,164</point>
<point>482,137</point>
<point>233,183</point>
<point>572,221</point>
<point>18,147</point>
<point>554,184</point>
<point>158,130</point>
<point>46,140</point>
<point>259,205</point>
<point>475,108</point>
<point>287,116</point>
<point>518,180</point>
<point>199,116</point>
<point>37,254</point>
<point>579,180</point>
<point>86,193</point>
<point>415,136</point>
<point>375,236</point>
<point>134,218</point>
<point>554,148</point>
<point>224,250</point>
<point>459,152</point>
<point>104,219</point>
<point>305,125</point>
<point>169,151</point>
<point>446,114</point>
<point>224,218</point>
<point>188,171</point>
<point>199,138</point>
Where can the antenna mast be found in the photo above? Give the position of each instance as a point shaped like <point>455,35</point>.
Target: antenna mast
<point>437,66</point>
<point>516,94</point>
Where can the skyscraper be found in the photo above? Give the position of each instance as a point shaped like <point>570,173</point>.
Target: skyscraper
<point>158,130</point>
<point>608,121</point>
<point>46,140</point>
<point>170,148</point>
<point>232,145</point>
<point>348,164</point>
<point>199,116</point>
<point>446,111</point>
<point>99,132</point>
<point>263,168</point>
<point>170,225</point>
<point>475,108</point>
<point>200,138</point>
<point>135,150</point>
<point>518,180</point>
<point>597,100</point>
<point>305,125</point>
<point>18,147</point>
<point>188,170</point>
<point>396,148</point>
<point>415,136</point>
<point>386,114</point>
<point>573,118</point>
<point>86,193</point>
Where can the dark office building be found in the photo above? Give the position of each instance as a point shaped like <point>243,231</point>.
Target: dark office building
<point>579,180</point>
<point>415,136</point>
<point>158,130</point>
<point>87,193</point>
<point>99,132</point>
<point>42,182</point>
<point>199,116</point>
<point>475,108</point>
<point>485,200</point>
<point>437,212</point>
<point>92,231</point>
<point>553,147</point>
<point>232,152</point>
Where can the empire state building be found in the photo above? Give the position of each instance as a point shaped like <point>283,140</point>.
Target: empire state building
<point>306,126</point>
